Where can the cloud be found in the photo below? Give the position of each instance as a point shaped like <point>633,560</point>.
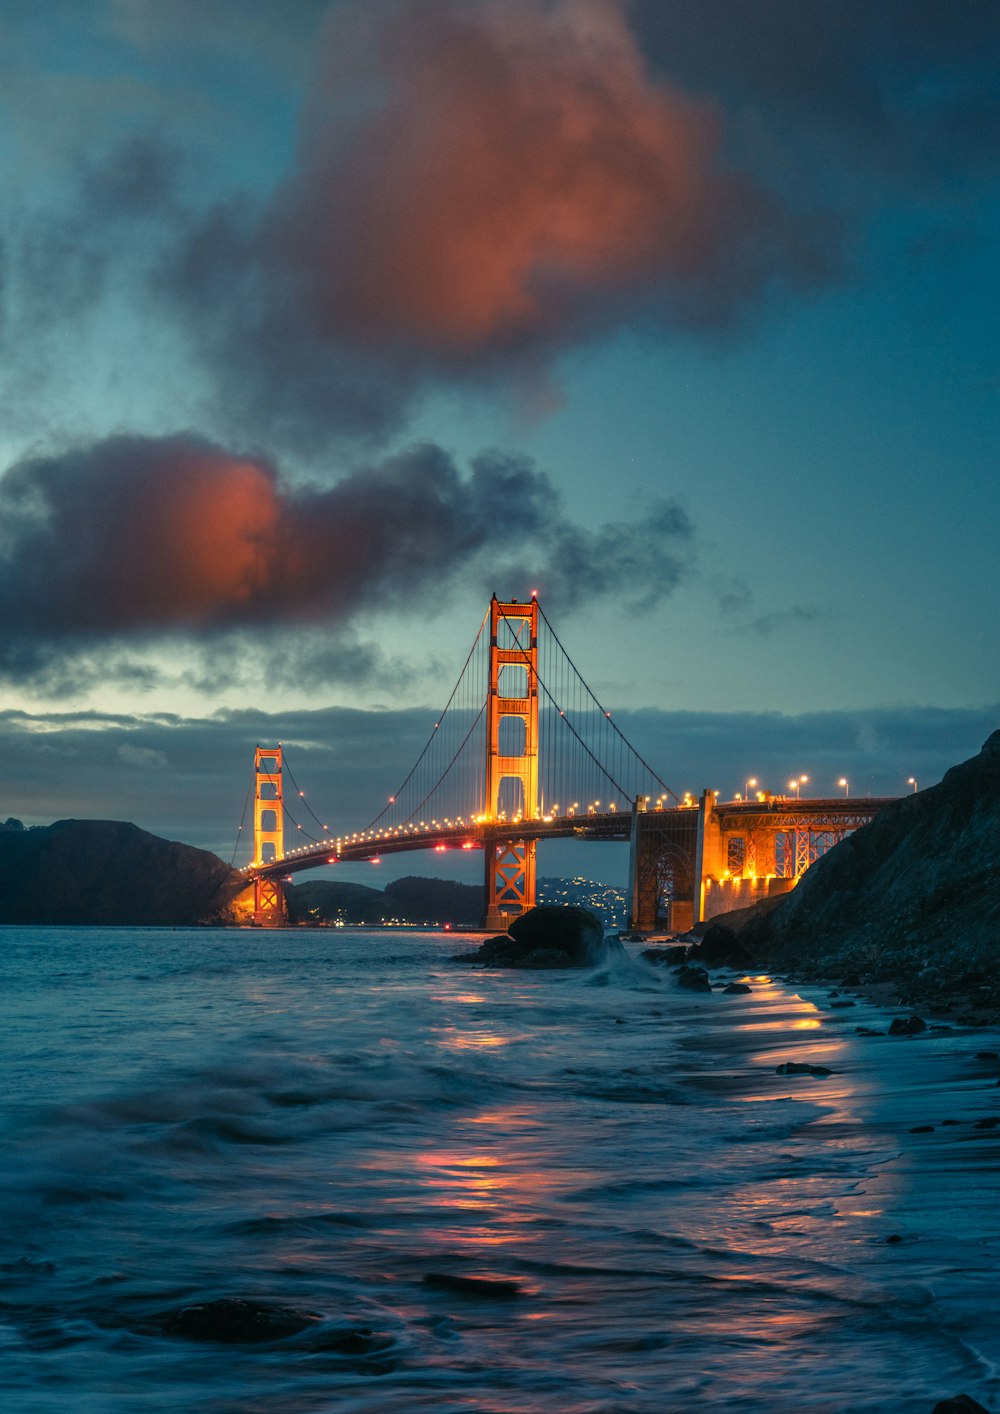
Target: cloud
<point>143,757</point>
<point>888,95</point>
<point>137,540</point>
<point>477,186</point>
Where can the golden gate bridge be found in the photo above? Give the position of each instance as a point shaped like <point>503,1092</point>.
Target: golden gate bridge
<point>523,751</point>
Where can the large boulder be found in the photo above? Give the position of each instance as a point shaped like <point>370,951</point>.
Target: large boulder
<point>549,936</point>
<point>721,947</point>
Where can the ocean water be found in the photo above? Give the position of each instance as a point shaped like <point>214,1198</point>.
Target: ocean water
<point>476,1191</point>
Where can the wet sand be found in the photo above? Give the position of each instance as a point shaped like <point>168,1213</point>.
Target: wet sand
<point>929,1103</point>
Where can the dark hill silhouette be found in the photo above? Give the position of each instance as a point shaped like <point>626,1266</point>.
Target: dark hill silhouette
<point>109,872</point>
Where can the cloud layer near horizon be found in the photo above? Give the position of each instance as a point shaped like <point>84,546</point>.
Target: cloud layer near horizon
<point>185,778</point>
<point>135,539</point>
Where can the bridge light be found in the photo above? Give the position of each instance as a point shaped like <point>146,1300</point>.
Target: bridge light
<point>843,782</point>
<point>911,781</point>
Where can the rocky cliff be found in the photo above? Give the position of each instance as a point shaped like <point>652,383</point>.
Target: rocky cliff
<point>109,872</point>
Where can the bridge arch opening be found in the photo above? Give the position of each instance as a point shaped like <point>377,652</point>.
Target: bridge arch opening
<point>513,736</point>
<point>510,798</point>
<point>512,681</point>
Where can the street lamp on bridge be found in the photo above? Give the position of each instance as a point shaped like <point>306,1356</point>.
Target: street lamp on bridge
<point>911,781</point>
<point>795,785</point>
<point>843,782</point>
<point>750,783</point>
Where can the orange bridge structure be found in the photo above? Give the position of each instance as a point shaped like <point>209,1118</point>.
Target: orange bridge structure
<point>524,752</point>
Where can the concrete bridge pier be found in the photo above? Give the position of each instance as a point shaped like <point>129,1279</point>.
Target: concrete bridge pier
<point>662,848</point>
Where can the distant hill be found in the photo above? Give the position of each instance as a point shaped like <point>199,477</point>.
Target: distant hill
<point>408,900</point>
<point>108,872</point>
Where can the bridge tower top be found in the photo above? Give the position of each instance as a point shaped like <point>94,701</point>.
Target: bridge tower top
<point>268,833</point>
<point>512,694</point>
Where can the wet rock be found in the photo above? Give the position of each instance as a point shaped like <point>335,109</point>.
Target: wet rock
<point>352,1340</point>
<point>801,1068</point>
<point>867,1031</point>
<point>234,1321</point>
<point>906,1026</point>
<point>922,1129</point>
<point>988,1055</point>
<point>694,979</point>
<point>721,947</point>
<point>989,1123</point>
<point>960,1404</point>
<point>893,1238</point>
<point>737,987</point>
<point>481,1288</point>
<point>665,957</point>
<point>549,936</point>
<point>838,1006</point>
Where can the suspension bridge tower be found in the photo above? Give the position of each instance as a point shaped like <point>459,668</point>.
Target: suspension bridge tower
<point>511,757</point>
<point>268,835</point>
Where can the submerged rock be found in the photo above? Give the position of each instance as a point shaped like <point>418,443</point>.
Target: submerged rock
<point>906,1026</point>
<point>801,1068</point>
<point>235,1321</point>
<point>695,979</point>
<point>549,936</point>
<point>481,1288</point>
<point>665,957</point>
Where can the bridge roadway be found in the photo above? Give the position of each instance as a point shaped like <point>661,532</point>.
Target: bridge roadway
<point>776,814</point>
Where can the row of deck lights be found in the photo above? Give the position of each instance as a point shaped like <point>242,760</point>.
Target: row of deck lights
<point>795,785</point>
<point>363,836</point>
<point>372,836</point>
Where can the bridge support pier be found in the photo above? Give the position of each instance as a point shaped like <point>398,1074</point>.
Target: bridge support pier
<point>269,908</point>
<point>661,891</point>
<point>510,882</point>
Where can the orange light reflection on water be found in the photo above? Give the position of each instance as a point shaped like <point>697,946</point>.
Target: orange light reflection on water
<point>467,1040</point>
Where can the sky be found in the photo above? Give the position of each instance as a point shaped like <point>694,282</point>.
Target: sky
<point>320,322</point>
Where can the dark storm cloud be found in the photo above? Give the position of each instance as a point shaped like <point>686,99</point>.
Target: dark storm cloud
<point>142,540</point>
<point>477,186</point>
<point>907,89</point>
<point>186,778</point>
